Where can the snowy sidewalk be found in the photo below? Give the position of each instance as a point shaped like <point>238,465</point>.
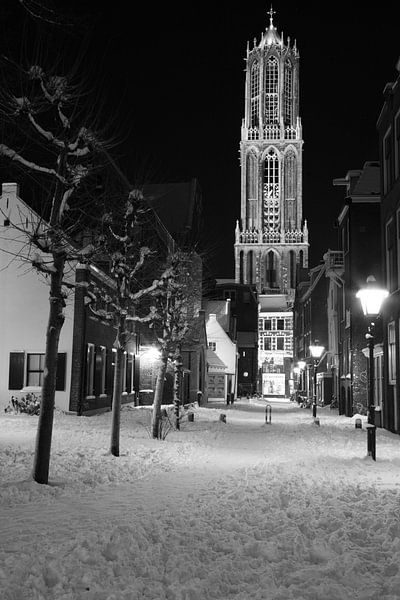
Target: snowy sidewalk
<point>238,510</point>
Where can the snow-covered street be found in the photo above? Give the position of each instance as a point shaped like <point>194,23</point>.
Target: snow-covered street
<point>237,510</point>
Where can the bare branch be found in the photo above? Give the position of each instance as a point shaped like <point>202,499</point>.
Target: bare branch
<point>43,132</point>
<point>12,155</point>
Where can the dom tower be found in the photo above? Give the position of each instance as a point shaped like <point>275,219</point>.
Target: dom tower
<point>271,240</point>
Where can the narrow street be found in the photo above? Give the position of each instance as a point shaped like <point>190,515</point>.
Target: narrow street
<point>241,510</point>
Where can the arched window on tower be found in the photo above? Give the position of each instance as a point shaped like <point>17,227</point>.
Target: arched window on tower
<point>271,189</point>
<point>292,269</point>
<point>301,258</point>
<point>241,267</point>
<point>271,92</point>
<point>251,175</point>
<point>288,94</point>
<point>254,93</point>
<point>290,186</point>
<point>270,270</point>
<point>250,267</point>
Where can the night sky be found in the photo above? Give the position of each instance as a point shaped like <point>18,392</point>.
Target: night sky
<point>172,83</point>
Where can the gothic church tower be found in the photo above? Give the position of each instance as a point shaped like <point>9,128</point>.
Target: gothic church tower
<point>270,239</point>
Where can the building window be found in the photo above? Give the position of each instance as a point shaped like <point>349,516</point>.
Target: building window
<point>392,352</point>
<point>250,261</point>
<point>391,256</point>
<point>387,162</point>
<point>271,91</point>
<point>90,370</point>
<point>254,93</point>
<point>268,324</point>
<point>397,145</point>
<point>212,346</point>
<point>280,324</point>
<point>288,94</point>
<point>378,381</point>
<point>280,343</point>
<point>398,246</point>
<point>124,372</point>
<point>270,270</point>
<point>34,370</point>
<point>100,371</point>
<point>267,343</point>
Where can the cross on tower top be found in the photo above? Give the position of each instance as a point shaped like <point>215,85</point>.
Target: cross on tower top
<point>271,13</point>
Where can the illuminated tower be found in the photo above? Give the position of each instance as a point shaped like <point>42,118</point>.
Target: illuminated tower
<point>271,240</point>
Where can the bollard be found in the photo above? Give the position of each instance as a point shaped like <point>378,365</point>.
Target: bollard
<point>358,424</point>
<point>268,413</point>
<point>371,441</point>
<point>222,418</point>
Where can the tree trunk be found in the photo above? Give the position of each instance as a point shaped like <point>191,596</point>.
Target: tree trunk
<point>45,424</point>
<point>177,389</point>
<point>116,401</point>
<point>158,394</point>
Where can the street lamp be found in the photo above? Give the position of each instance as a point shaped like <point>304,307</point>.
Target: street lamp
<point>316,352</point>
<point>371,298</point>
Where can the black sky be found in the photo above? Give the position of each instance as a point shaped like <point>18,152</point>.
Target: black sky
<point>173,81</point>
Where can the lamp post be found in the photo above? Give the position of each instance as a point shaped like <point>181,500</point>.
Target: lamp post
<point>371,298</point>
<point>299,369</point>
<point>316,352</point>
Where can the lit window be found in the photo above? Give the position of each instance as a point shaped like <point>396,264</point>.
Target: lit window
<point>392,352</point>
<point>212,346</point>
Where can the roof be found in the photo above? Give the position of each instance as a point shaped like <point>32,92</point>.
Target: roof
<point>369,180</point>
<point>214,360</point>
<point>218,308</point>
<point>273,303</point>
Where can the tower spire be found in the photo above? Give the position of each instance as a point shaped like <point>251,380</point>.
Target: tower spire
<point>271,13</point>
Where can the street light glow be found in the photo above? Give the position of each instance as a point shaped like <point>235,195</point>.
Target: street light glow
<point>316,350</point>
<point>371,297</point>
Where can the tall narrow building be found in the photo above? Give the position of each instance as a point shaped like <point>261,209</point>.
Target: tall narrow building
<point>271,240</point>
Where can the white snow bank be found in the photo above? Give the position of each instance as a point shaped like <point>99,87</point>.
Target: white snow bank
<point>238,510</point>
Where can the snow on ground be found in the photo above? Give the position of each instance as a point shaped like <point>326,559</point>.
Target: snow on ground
<point>240,510</point>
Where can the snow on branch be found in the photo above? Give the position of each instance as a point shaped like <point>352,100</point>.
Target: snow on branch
<point>12,155</point>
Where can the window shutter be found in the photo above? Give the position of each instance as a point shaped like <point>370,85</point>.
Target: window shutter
<point>60,378</point>
<point>16,372</point>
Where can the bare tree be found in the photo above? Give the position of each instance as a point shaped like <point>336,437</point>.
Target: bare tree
<point>52,139</point>
<point>174,312</point>
<point>119,304</point>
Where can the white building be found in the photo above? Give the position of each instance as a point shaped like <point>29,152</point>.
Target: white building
<point>24,300</point>
<point>219,328</point>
